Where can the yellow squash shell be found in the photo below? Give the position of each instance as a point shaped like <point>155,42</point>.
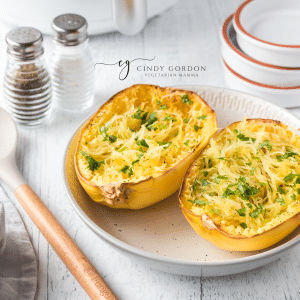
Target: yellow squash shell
<point>242,193</point>
<point>134,151</point>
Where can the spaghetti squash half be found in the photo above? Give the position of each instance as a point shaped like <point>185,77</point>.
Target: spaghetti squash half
<point>242,193</point>
<point>135,150</point>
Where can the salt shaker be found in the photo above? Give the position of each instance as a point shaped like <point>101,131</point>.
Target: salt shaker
<point>72,67</point>
<point>27,85</point>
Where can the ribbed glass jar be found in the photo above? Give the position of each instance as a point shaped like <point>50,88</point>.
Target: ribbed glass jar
<point>27,85</point>
<point>71,64</point>
<point>72,72</point>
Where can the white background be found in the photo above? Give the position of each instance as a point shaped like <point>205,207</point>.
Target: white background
<point>186,34</point>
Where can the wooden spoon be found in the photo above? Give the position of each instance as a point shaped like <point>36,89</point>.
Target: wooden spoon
<point>52,230</point>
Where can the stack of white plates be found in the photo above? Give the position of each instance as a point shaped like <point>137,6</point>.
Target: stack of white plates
<point>261,50</point>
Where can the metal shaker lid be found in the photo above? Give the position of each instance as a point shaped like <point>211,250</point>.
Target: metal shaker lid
<point>24,43</point>
<point>69,29</point>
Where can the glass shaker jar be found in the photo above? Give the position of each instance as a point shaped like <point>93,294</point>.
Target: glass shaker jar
<point>72,67</point>
<point>27,85</point>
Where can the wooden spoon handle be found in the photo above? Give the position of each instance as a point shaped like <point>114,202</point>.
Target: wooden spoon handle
<point>63,245</point>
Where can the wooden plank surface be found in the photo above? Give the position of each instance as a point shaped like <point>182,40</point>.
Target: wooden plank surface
<point>186,34</point>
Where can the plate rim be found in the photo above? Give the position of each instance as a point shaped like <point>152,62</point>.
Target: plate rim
<point>159,258</point>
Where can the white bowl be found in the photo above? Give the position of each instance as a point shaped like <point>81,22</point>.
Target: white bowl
<point>269,31</point>
<point>282,96</point>
<point>160,236</point>
<point>250,68</point>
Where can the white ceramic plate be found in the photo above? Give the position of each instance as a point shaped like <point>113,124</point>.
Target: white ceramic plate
<point>269,31</point>
<point>282,96</point>
<point>159,235</point>
<point>250,68</point>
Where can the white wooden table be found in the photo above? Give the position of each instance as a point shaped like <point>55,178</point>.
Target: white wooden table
<point>186,34</point>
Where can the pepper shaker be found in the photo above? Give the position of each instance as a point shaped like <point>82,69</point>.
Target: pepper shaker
<point>27,85</point>
<point>72,67</point>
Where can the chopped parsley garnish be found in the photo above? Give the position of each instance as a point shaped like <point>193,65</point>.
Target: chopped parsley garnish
<point>215,211</point>
<point>140,155</point>
<point>243,225</point>
<point>195,183</point>
<point>103,131</point>
<point>270,186</point>
<point>242,211</point>
<point>262,184</point>
<point>177,132</point>
<point>217,179</point>
<point>138,114</point>
<point>252,171</point>
<point>243,190</point>
<point>112,138</point>
<point>222,158</point>
<point>242,137</point>
<point>266,144</point>
<point>228,193</point>
<point>93,164</point>
<point>249,164</point>
<point>152,127</point>
<point>204,182</point>
<point>135,161</point>
<point>298,191</point>
<point>144,118</point>
<point>196,127</point>
<point>256,212</point>
<point>142,143</point>
<point>287,155</point>
<point>122,149</point>
<point>164,126</point>
<point>185,99</point>
<point>280,190</point>
<point>293,197</point>
<point>202,117</point>
<point>205,173</point>
<point>291,177</point>
<point>152,118</point>
<point>163,107</point>
<point>165,144</point>
<point>186,120</point>
<point>200,202</point>
<point>126,169</point>
<point>158,102</point>
<point>169,118</point>
<point>187,142</point>
<point>281,201</point>
<point>249,205</point>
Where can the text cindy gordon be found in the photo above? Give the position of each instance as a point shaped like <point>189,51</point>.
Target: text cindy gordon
<point>171,68</point>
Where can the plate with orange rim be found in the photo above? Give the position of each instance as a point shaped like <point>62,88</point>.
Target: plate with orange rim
<point>159,235</point>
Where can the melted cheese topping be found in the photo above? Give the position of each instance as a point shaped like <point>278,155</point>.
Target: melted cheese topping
<point>131,147</point>
<point>248,179</point>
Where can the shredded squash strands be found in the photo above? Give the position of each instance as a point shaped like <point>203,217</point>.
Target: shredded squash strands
<point>142,137</point>
<point>248,178</point>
